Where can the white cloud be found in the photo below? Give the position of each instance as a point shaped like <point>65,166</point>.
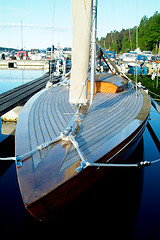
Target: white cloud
<point>36,26</point>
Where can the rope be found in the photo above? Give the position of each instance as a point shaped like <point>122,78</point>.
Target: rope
<point>153,93</point>
<point>8,159</point>
<point>84,163</point>
<point>65,135</point>
<point>141,86</point>
<point>155,161</point>
<point>19,158</point>
<point>130,165</point>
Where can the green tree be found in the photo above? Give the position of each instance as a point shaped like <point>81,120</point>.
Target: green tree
<point>125,40</point>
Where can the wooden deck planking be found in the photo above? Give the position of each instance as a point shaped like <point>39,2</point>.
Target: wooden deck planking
<point>110,127</point>
<point>92,136</point>
<point>108,105</point>
<point>37,136</point>
<point>118,118</point>
<point>112,119</point>
<point>51,112</point>
<point>68,109</point>
<point>59,111</point>
<point>112,113</point>
<point>35,130</point>
<point>48,118</point>
<point>111,130</point>
<point>107,109</point>
<point>43,121</point>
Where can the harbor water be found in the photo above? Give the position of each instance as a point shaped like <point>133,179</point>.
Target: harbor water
<point>125,204</point>
<point>10,79</point>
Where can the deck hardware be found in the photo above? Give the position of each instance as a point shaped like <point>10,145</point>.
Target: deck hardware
<point>18,162</point>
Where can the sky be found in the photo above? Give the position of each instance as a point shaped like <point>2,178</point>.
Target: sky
<point>39,24</point>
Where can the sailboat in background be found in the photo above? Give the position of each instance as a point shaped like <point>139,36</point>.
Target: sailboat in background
<point>65,132</point>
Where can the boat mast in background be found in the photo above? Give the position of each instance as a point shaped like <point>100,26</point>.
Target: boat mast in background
<point>21,35</point>
<point>93,47</point>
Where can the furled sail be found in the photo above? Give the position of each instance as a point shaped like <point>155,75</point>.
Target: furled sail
<point>81,14</point>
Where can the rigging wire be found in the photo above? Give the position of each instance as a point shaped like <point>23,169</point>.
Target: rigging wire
<point>52,45</point>
<point>148,90</point>
<point>137,45</point>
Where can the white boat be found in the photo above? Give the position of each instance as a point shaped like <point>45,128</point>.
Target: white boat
<point>148,54</point>
<point>129,57</point>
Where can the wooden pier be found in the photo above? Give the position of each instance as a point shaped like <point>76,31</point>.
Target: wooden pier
<point>24,64</point>
<point>21,94</point>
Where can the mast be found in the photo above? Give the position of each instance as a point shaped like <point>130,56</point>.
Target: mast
<point>21,35</point>
<point>137,48</point>
<point>93,47</point>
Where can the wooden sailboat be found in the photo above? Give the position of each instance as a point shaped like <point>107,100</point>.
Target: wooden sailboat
<point>62,131</point>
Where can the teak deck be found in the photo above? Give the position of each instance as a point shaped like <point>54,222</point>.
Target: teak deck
<point>112,124</point>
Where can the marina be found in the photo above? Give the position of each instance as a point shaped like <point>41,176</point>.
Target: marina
<point>136,227</point>
<point>80,144</point>
<point>64,134</point>
<point>134,203</point>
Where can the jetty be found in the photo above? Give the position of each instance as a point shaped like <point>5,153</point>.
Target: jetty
<point>24,64</point>
<point>20,95</point>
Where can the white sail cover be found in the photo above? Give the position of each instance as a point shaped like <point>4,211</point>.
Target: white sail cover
<point>81,14</point>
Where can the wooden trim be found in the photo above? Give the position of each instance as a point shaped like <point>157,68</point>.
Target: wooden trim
<point>104,87</point>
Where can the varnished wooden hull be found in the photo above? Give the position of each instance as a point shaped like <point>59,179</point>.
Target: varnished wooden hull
<point>110,131</point>
<point>54,202</point>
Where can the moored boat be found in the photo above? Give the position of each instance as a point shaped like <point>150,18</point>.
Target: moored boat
<point>64,130</point>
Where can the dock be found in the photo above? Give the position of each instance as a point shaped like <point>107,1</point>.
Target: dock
<point>24,64</point>
<point>19,95</point>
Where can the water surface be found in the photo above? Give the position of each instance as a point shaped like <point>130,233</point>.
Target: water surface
<point>10,79</point>
<point>124,205</point>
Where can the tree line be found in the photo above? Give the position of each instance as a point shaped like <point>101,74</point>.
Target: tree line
<point>146,36</point>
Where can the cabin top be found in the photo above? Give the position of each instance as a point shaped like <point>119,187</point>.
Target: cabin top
<point>107,83</point>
